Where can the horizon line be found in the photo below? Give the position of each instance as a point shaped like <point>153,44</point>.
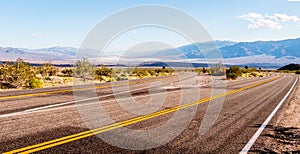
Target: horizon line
<point>240,41</point>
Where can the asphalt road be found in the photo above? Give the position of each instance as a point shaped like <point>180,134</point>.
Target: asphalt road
<point>27,118</point>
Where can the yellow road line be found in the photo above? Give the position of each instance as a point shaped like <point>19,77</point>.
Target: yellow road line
<point>70,90</point>
<point>61,91</point>
<point>70,138</point>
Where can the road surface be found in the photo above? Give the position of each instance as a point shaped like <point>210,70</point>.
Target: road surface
<point>50,121</point>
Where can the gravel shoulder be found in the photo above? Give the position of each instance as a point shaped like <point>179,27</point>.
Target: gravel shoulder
<point>291,118</point>
<point>282,135</point>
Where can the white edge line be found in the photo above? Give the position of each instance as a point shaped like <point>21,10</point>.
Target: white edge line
<point>44,108</point>
<point>262,127</point>
<point>50,107</point>
<point>59,106</point>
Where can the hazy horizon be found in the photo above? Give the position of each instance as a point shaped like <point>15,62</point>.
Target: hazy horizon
<point>291,38</point>
<point>43,24</point>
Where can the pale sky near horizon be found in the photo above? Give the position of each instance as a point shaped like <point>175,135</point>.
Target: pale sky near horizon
<point>46,23</point>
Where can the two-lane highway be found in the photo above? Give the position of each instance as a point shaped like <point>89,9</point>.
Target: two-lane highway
<point>60,129</point>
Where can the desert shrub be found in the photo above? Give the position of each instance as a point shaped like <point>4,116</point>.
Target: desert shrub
<point>16,74</point>
<point>122,77</point>
<point>47,78</point>
<point>119,78</point>
<point>152,72</point>
<point>232,76</point>
<point>233,72</point>
<point>111,80</point>
<point>204,70</point>
<point>253,74</point>
<point>5,85</point>
<point>35,83</point>
<point>67,72</point>
<point>157,71</point>
<point>169,71</point>
<point>142,73</point>
<point>103,72</point>
<point>47,70</point>
<point>297,72</point>
<point>84,69</point>
<point>251,69</point>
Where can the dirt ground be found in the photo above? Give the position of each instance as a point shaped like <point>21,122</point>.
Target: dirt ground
<point>292,116</point>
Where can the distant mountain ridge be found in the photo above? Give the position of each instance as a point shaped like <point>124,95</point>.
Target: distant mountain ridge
<point>287,50</point>
<point>194,50</point>
<point>11,50</point>
<point>57,54</point>
<point>56,50</point>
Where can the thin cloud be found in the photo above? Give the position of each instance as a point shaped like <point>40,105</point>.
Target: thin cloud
<point>267,21</point>
<point>285,18</point>
<point>251,16</point>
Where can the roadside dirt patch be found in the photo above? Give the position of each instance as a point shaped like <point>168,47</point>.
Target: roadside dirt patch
<point>291,118</point>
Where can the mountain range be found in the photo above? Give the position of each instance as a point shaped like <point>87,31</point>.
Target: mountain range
<point>283,51</point>
<point>289,48</point>
<point>57,55</point>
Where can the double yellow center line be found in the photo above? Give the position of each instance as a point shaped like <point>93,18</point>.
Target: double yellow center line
<point>74,137</point>
<point>62,91</point>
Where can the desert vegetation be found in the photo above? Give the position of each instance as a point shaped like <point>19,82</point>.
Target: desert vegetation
<point>20,75</point>
<point>233,72</point>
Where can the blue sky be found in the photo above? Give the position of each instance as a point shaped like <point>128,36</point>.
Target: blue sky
<point>46,23</point>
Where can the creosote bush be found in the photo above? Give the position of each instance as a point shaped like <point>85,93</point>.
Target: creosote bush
<point>16,74</point>
<point>233,72</point>
<point>35,83</point>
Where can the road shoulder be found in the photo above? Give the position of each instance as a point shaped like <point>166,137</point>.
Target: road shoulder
<point>283,134</point>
